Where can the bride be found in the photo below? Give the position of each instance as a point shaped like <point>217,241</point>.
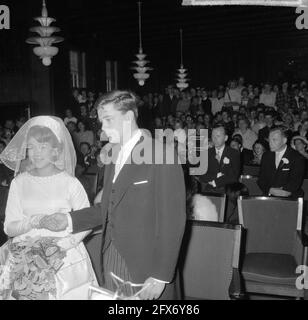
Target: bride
<point>37,263</point>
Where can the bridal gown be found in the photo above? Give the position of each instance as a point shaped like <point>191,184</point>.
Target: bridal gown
<point>31,195</point>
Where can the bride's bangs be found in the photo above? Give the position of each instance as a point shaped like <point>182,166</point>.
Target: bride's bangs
<point>43,135</point>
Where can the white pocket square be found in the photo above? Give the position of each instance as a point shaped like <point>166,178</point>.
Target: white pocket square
<point>141,182</point>
<point>287,169</point>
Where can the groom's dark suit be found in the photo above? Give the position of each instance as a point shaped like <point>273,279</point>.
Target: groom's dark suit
<point>145,213</point>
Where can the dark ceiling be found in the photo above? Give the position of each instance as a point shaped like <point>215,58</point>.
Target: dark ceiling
<point>115,22</point>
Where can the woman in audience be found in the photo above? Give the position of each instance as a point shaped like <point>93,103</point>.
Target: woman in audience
<point>300,144</point>
<point>84,134</point>
<point>303,129</point>
<point>258,149</point>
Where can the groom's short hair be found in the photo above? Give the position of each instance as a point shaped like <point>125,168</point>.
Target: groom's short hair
<point>123,100</point>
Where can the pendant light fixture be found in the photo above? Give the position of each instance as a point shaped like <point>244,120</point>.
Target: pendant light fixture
<point>141,69</point>
<point>182,73</point>
<point>45,40</point>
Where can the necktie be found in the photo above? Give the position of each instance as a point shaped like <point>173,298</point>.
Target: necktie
<point>218,155</point>
<point>277,159</point>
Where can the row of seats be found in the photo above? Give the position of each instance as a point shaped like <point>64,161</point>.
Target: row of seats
<point>250,177</point>
<point>259,256</point>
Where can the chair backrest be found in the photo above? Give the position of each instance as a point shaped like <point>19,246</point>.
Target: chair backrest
<point>251,171</point>
<point>209,256</point>
<point>271,223</point>
<point>305,188</point>
<point>251,183</point>
<point>219,200</point>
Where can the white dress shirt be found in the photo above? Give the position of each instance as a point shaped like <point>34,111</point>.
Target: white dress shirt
<point>220,152</point>
<point>125,152</point>
<point>279,155</point>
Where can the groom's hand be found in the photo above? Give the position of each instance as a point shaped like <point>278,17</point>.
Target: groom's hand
<point>153,289</point>
<point>55,222</point>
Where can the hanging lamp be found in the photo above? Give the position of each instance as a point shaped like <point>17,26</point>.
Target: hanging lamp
<point>182,73</point>
<point>141,69</point>
<point>45,51</point>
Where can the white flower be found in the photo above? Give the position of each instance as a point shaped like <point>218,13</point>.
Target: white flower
<point>226,160</point>
<point>219,174</point>
<point>285,161</point>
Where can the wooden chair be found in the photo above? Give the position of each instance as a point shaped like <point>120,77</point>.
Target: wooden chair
<point>274,245</point>
<point>209,261</point>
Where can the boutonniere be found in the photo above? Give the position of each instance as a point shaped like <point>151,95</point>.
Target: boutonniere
<point>219,174</point>
<point>285,161</point>
<point>226,160</point>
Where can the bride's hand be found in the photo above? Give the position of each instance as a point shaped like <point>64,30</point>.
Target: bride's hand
<point>55,222</point>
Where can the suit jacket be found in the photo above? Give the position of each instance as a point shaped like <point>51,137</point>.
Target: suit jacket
<point>229,166</point>
<point>246,157</point>
<point>289,175</point>
<point>146,220</point>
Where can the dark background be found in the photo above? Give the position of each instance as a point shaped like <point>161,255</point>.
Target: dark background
<point>220,43</point>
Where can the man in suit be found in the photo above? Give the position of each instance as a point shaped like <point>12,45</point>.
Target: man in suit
<point>170,102</point>
<point>142,210</point>
<point>224,163</point>
<point>282,169</point>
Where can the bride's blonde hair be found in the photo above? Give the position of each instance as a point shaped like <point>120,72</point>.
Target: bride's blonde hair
<point>42,135</point>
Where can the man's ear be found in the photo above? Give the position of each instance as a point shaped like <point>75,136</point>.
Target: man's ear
<point>226,138</point>
<point>285,140</point>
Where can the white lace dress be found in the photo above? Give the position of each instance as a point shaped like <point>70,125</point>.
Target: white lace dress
<point>30,195</point>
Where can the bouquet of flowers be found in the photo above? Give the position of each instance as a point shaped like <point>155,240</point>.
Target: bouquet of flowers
<point>30,269</point>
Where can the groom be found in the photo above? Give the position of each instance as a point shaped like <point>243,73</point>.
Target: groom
<point>142,211</point>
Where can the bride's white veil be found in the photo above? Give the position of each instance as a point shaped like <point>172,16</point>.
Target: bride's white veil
<point>15,152</point>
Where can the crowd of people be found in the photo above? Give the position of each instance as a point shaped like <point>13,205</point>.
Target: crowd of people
<point>247,112</point>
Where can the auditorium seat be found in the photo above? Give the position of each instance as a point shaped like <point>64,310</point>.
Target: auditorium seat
<point>274,245</point>
<point>251,183</point>
<point>209,260</point>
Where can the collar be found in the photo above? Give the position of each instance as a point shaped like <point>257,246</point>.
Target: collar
<point>129,145</point>
<point>221,150</point>
<point>281,153</point>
